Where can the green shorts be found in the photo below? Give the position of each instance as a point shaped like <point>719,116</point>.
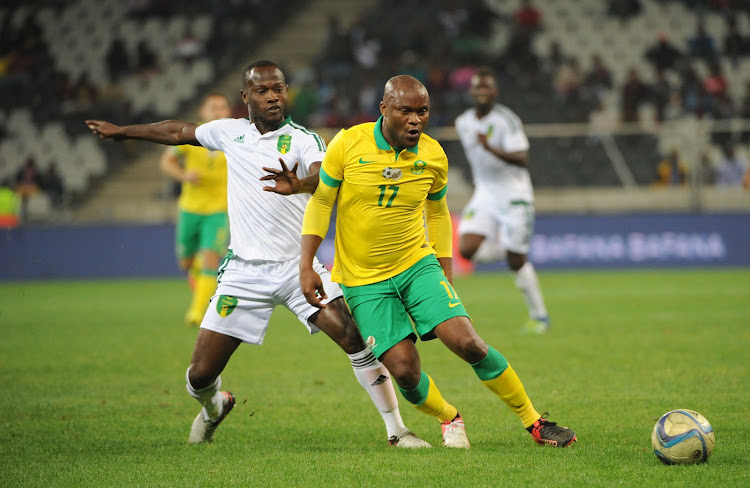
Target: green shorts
<point>196,232</point>
<point>383,310</point>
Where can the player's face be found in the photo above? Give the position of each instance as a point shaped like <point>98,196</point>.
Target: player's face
<point>215,107</point>
<point>405,116</point>
<point>265,94</point>
<point>483,90</point>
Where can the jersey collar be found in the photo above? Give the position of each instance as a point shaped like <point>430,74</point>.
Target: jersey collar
<point>287,121</point>
<point>383,144</point>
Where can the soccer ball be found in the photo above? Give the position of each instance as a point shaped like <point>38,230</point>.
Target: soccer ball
<point>682,437</point>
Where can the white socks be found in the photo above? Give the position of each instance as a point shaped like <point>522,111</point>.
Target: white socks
<point>210,397</point>
<point>527,282</point>
<point>375,378</point>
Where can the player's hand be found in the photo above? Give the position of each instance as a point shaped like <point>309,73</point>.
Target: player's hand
<point>192,177</point>
<point>482,138</point>
<point>312,287</point>
<point>286,180</point>
<point>104,130</point>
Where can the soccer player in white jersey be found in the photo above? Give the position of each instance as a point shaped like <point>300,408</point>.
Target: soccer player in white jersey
<point>261,269</point>
<point>499,219</point>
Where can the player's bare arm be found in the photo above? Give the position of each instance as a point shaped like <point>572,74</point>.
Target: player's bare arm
<point>310,283</point>
<point>516,158</point>
<point>169,164</point>
<point>169,132</point>
<point>287,182</point>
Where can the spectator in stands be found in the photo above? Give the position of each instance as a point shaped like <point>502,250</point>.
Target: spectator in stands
<point>672,170</point>
<point>83,95</point>
<point>528,18</point>
<point>634,93</point>
<point>52,185</point>
<point>623,9</point>
<point>598,81</point>
<point>664,55</point>
<point>28,180</point>
<point>146,61</point>
<point>702,45</point>
<point>568,80</point>
<point>715,83</point>
<point>188,47</point>
<point>731,169</point>
<point>554,60</point>
<point>660,93</point>
<point>706,171</point>
<point>118,62</point>
<point>735,45</point>
<point>10,205</point>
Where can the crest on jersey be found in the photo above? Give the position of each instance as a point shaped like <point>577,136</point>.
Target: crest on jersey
<point>392,173</point>
<point>225,305</point>
<point>284,144</point>
<point>370,342</point>
<point>419,167</point>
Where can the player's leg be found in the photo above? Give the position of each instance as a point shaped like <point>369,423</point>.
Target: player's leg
<point>338,324</point>
<point>212,232</point>
<point>516,229</point>
<point>239,312</point>
<point>383,320</point>
<point>210,355</point>
<point>187,243</point>
<point>459,335</point>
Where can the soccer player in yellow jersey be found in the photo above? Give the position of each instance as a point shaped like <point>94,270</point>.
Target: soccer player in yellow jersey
<point>202,223</point>
<point>393,258</point>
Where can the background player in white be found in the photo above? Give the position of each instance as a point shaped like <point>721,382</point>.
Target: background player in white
<point>499,220</point>
<point>261,269</point>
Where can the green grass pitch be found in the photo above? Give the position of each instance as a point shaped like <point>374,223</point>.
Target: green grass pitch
<point>92,389</point>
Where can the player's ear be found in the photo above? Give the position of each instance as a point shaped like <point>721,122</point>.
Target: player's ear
<point>382,108</point>
<point>244,96</point>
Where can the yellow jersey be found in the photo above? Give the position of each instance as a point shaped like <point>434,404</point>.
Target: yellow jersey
<point>209,195</point>
<point>380,225</point>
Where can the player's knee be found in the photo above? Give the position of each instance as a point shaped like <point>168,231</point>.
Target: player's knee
<point>471,348</point>
<point>185,263</point>
<point>516,261</point>
<point>405,377</point>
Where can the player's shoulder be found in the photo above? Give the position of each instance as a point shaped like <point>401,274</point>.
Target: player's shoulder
<point>430,146</point>
<point>224,125</point>
<point>465,116</point>
<point>505,114</point>
<point>299,131</point>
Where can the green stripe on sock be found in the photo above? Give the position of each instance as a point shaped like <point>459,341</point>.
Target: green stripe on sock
<point>491,366</point>
<point>418,395</point>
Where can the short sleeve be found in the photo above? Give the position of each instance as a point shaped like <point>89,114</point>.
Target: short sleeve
<point>209,135</point>
<point>514,138</point>
<point>314,150</point>
<point>179,151</point>
<point>333,162</point>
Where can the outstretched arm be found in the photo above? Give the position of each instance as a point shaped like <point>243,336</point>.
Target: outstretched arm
<point>170,132</point>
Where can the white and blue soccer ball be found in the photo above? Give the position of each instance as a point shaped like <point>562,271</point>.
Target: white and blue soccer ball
<point>682,437</point>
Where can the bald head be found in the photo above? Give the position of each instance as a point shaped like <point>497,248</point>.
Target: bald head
<point>405,109</point>
<point>400,86</point>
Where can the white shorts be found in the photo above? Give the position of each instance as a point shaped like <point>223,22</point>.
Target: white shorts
<point>511,225</point>
<point>249,291</point>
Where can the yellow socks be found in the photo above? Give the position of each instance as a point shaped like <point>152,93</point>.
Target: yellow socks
<point>427,398</point>
<point>498,376</point>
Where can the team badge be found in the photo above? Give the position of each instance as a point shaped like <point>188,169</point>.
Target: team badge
<point>284,144</point>
<point>370,342</point>
<point>392,173</point>
<point>225,305</point>
<point>419,167</point>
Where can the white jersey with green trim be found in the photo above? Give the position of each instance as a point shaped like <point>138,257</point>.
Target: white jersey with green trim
<point>492,176</point>
<point>262,225</point>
